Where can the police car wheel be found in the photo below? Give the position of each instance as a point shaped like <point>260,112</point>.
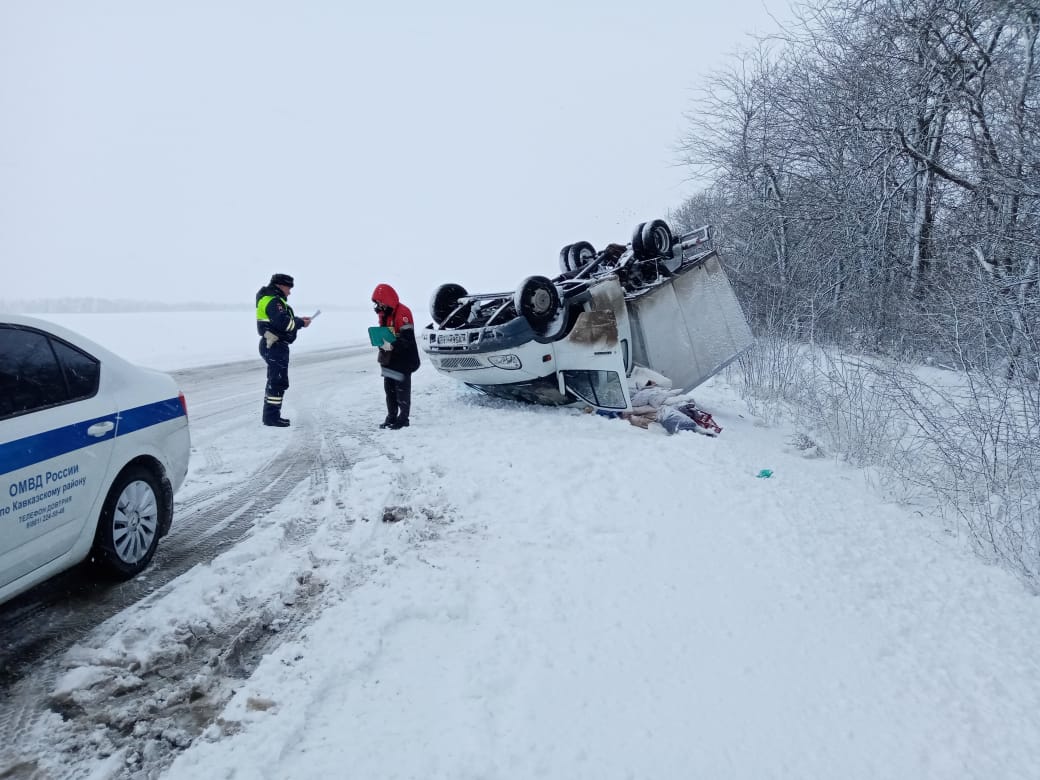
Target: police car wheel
<point>128,528</point>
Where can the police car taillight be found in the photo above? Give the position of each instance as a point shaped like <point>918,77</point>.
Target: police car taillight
<point>184,403</point>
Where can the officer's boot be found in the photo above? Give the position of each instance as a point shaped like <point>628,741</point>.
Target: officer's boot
<point>273,415</point>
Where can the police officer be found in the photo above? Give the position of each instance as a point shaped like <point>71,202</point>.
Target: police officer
<point>277,326</point>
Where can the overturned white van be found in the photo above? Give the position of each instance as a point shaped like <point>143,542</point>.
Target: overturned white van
<point>660,302</point>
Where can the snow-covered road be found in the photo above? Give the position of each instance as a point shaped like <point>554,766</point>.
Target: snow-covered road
<point>212,514</point>
<point>564,596</point>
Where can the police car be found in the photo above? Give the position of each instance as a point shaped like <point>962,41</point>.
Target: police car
<point>92,449</point>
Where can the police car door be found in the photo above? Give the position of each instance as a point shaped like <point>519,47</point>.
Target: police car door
<point>57,427</point>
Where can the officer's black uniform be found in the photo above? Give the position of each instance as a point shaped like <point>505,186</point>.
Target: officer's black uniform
<point>277,326</point>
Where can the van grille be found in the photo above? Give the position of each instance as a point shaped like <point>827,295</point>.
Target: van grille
<point>453,363</point>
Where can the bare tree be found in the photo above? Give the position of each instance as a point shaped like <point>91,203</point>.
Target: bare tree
<point>875,178</point>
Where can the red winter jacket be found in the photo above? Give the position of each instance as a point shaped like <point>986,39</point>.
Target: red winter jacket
<point>400,316</point>
<point>404,356</point>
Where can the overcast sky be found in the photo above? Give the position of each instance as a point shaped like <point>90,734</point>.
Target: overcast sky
<point>185,151</point>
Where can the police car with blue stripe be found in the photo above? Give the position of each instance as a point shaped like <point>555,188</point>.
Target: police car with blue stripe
<point>92,449</point>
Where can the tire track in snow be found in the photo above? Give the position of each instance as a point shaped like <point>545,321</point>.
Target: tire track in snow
<point>47,621</point>
<point>144,719</point>
<point>162,711</point>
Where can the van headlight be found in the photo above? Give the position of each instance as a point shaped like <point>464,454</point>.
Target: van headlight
<point>509,362</point>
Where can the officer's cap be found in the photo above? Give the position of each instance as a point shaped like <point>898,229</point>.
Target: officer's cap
<point>282,279</point>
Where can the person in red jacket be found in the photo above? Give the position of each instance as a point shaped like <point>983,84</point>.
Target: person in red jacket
<point>399,359</point>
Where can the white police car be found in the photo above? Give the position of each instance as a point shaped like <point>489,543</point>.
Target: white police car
<point>92,449</point>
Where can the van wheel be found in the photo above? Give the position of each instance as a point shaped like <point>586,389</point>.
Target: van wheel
<point>128,528</point>
<point>657,239</point>
<point>565,258</point>
<point>637,241</point>
<point>538,301</point>
<point>445,300</point>
<point>579,254</point>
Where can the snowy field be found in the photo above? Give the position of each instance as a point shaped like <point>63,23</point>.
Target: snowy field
<point>172,340</point>
<point>564,596</point>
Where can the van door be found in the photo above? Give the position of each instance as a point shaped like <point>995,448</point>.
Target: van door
<point>590,362</point>
<point>690,328</point>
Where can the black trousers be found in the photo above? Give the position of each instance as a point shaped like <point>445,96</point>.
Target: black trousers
<point>277,358</point>
<point>398,398</point>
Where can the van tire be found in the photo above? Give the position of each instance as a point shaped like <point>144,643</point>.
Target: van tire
<point>565,259</point>
<point>538,301</point>
<point>657,239</point>
<point>637,241</point>
<point>444,301</point>
<point>580,254</point>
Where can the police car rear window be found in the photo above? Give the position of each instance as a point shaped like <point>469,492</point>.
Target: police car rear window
<point>82,372</point>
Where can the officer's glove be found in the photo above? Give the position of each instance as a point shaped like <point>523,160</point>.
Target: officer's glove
<point>386,346</point>
<point>270,338</point>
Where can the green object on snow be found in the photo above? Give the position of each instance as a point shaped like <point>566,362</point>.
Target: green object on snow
<point>764,474</point>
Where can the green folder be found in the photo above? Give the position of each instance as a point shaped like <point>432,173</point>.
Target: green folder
<point>377,334</point>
